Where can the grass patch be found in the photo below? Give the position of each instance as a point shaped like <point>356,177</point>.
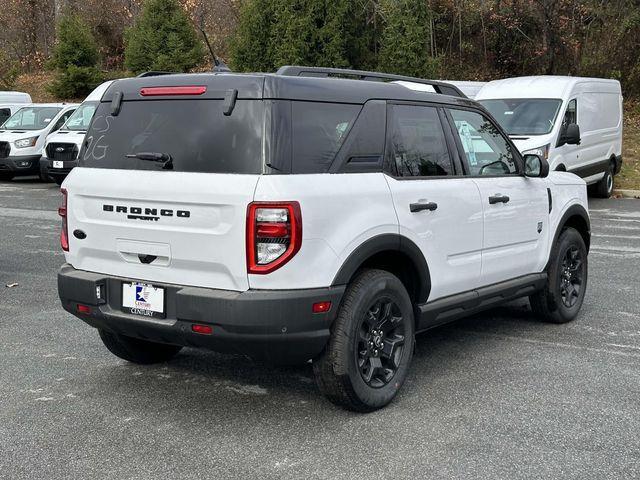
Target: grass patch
<point>629,177</point>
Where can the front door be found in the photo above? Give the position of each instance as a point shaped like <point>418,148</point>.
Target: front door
<point>515,208</point>
<point>437,207</point>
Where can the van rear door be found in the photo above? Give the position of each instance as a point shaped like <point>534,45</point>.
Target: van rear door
<point>162,190</point>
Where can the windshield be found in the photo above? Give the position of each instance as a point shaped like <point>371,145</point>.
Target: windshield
<point>194,133</point>
<point>524,116</point>
<point>31,118</point>
<point>81,118</point>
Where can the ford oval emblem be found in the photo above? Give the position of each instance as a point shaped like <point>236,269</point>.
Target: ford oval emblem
<point>60,149</point>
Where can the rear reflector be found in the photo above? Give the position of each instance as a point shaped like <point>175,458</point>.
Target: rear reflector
<point>64,231</point>
<point>83,308</point>
<point>202,329</point>
<point>321,307</point>
<point>184,90</point>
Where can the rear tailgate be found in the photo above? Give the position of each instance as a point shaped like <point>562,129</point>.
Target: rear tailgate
<point>170,227</point>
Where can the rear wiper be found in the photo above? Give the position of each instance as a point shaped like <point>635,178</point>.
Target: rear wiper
<point>163,158</point>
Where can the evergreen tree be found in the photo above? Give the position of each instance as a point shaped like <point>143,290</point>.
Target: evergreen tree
<point>74,58</point>
<point>162,38</point>
<point>405,44</point>
<point>272,33</point>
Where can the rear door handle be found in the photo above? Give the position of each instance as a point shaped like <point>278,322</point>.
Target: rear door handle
<point>418,207</point>
<point>497,198</point>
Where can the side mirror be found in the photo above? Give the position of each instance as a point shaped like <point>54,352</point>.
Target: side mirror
<point>535,166</point>
<point>570,135</point>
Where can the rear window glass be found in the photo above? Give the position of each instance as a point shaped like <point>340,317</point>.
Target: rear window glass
<point>194,133</point>
<point>319,129</point>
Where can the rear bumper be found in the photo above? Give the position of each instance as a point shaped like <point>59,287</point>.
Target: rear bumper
<point>272,325</point>
<point>20,165</point>
<point>47,165</point>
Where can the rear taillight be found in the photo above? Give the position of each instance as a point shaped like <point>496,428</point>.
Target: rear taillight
<point>274,235</point>
<point>179,90</point>
<point>62,211</point>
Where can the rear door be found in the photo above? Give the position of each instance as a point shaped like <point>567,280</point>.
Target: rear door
<point>437,208</point>
<point>515,208</point>
<point>178,221</point>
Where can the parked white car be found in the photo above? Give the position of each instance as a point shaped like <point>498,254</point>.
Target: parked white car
<point>24,134</point>
<point>11,102</point>
<point>573,122</point>
<point>298,216</point>
<point>61,149</point>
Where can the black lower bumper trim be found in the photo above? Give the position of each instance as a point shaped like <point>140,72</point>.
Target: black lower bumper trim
<point>67,165</point>
<point>272,325</point>
<point>26,165</point>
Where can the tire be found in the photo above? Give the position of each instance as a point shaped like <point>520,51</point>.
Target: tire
<point>6,177</point>
<point>138,351</point>
<point>372,337</point>
<point>604,188</point>
<point>58,179</point>
<point>567,273</point>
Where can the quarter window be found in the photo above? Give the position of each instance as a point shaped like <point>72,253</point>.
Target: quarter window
<point>486,150</point>
<point>417,143</point>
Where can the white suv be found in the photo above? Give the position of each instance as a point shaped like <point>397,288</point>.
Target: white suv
<point>301,216</point>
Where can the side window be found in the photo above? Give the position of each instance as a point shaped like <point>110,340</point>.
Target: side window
<point>318,132</point>
<point>571,115</point>
<point>61,121</point>
<point>486,150</point>
<point>418,147</point>
<point>4,114</point>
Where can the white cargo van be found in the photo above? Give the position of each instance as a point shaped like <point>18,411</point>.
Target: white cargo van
<point>573,122</point>
<point>11,102</point>
<point>60,152</point>
<point>23,135</point>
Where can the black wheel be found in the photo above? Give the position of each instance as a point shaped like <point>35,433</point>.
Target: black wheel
<point>371,345</point>
<point>136,350</point>
<point>604,188</point>
<point>6,176</point>
<point>58,179</point>
<point>562,298</point>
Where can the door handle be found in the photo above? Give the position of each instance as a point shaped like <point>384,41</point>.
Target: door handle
<point>418,207</point>
<point>497,198</point>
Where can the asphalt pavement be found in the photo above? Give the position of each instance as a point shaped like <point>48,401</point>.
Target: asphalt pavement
<point>495,396</point>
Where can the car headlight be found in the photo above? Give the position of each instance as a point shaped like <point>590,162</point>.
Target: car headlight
<point>542,152</point>
<point>26,142</point>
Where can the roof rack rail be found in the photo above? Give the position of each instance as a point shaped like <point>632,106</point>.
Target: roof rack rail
<point>154,74</point>
<point>297,71</point>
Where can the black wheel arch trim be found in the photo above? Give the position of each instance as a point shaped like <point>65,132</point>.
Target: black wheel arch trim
<point>387,242</point>
<point>572,211</point>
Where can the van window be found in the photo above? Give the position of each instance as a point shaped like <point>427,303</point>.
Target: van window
<point>60,122</point>
<point>81,118</point>
<point>486,150</point>
<point>195,133</point>
<point>319,129</point>
<point>571,114</point>
<point>418,147</point>
<point>32,118</point>
<point>4,114</point>
<point>524,116</point>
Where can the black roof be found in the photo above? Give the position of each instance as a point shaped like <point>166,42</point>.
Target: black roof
<point>286,87</point>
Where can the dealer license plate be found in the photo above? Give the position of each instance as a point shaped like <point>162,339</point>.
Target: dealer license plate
<point>58,164</point>
<point>143,299</point>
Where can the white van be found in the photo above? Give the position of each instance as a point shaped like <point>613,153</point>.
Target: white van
<point>573,122</point>
<point>469,88</point>
<point>23,135</point>
<point>61,149</point>
<point>11,102</point>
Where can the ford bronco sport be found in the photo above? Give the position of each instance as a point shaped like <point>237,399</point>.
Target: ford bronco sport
<point>305,216</point>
